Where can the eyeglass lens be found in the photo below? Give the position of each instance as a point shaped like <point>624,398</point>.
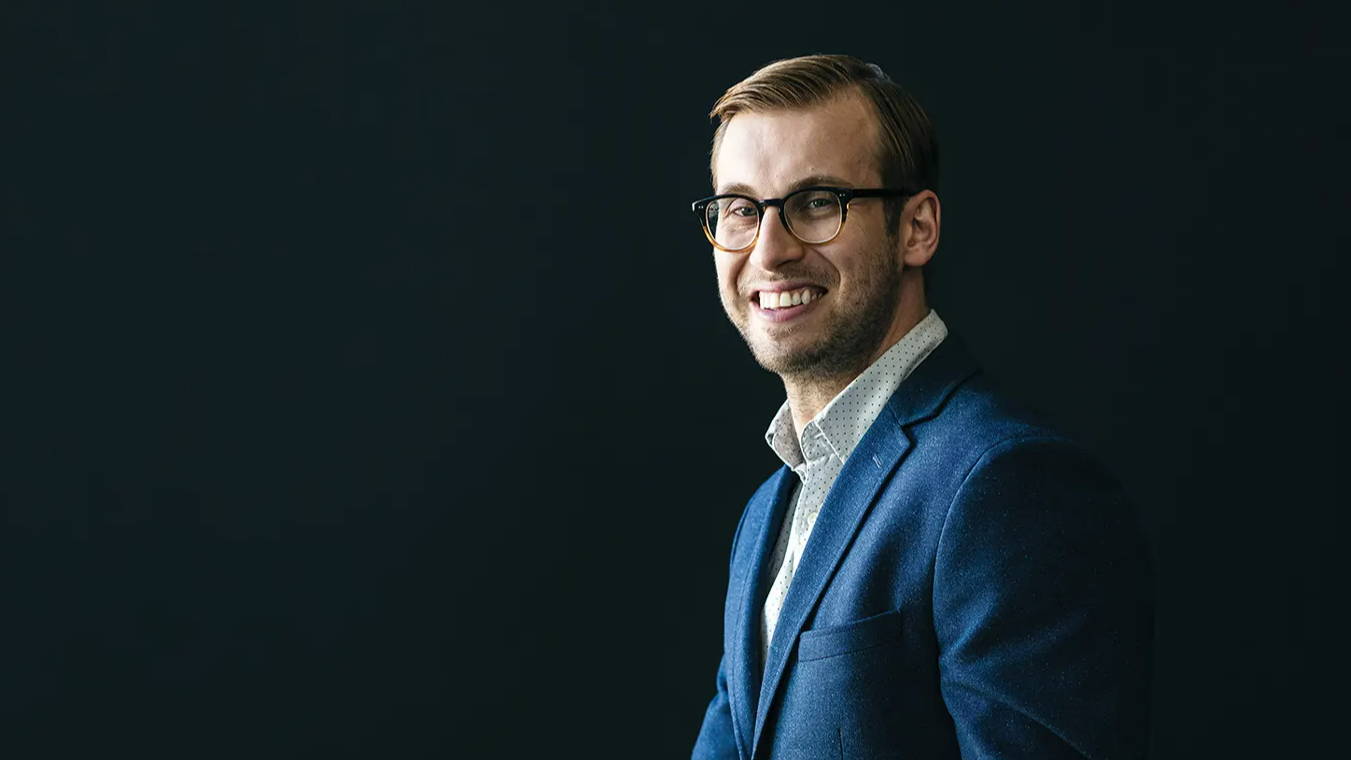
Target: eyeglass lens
<point>812,215</point>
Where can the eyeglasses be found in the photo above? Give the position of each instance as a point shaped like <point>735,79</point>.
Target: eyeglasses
<point>814,215</point>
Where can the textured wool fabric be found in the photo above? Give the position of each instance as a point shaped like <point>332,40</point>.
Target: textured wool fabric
<point>827,440</point>
<point>976,585</point>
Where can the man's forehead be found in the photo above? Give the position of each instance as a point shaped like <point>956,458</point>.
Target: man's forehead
<point>775,149</point>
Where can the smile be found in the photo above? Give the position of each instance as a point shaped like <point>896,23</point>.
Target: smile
<point>785,298</point>
<point>783,305</point>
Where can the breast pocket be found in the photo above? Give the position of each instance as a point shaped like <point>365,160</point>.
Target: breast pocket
<point>846,693</point>
<point>877,630</point>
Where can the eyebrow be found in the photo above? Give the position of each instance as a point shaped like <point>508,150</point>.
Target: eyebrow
<point>815,179</point>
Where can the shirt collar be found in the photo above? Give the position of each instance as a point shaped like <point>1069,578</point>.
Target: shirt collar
<point>841,424</point>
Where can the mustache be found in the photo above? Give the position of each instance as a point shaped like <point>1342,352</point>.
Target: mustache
<point>795,275</point>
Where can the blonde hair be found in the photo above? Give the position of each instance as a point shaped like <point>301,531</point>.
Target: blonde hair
<point>908,148</point>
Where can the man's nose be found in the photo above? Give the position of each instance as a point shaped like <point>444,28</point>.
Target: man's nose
<point>776,245</point>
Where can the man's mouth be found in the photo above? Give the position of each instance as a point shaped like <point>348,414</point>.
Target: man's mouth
<point>771,300</point>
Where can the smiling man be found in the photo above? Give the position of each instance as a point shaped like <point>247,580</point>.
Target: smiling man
<point>933,572</point>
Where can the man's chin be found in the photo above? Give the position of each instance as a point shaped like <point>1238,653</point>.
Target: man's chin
<point>787,360</point>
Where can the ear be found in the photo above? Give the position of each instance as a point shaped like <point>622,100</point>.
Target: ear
<point>921,220</point>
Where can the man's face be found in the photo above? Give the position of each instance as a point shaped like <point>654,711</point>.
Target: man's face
<point>854,279</point>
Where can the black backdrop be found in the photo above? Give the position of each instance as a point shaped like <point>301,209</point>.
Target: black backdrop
<point>367,393</point>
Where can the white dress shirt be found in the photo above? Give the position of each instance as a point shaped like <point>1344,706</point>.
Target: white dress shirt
<point>818,455</point>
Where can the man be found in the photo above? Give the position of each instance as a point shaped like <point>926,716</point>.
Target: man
<point>932,573</point>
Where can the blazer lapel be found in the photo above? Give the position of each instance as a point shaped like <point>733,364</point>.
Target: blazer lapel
<point>854,492</point>
<point>765,516</point>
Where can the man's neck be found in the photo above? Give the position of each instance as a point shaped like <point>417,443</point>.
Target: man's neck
<point>808,395</point>
<point>806,399</point>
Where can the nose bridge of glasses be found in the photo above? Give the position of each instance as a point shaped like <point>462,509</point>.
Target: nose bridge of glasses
<point>771,247</point>
<point>776,204</point>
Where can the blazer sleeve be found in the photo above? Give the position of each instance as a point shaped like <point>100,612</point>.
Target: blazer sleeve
<point>716,741</point>
<point>1043,608</point>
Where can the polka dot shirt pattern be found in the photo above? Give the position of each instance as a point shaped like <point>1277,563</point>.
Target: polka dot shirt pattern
<point>818,455</point>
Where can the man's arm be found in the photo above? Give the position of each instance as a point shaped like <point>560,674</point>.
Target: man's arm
<point>1043,608</point>
<point>716,741</point>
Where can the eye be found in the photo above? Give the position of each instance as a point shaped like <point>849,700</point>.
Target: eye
<point>814,204</point>
<point>742,208</point>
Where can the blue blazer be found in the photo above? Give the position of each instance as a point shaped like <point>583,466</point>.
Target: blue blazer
<point>975,586</point>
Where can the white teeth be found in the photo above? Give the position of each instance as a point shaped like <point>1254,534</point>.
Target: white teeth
<point>784,299</point>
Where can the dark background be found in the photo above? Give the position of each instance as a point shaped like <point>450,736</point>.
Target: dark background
<point>367,392</point>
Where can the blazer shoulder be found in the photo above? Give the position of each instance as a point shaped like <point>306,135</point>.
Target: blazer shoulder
<point>979,429</point>
<point>949,400</point>
<point>1009,460</point>
<point>977,417</point>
